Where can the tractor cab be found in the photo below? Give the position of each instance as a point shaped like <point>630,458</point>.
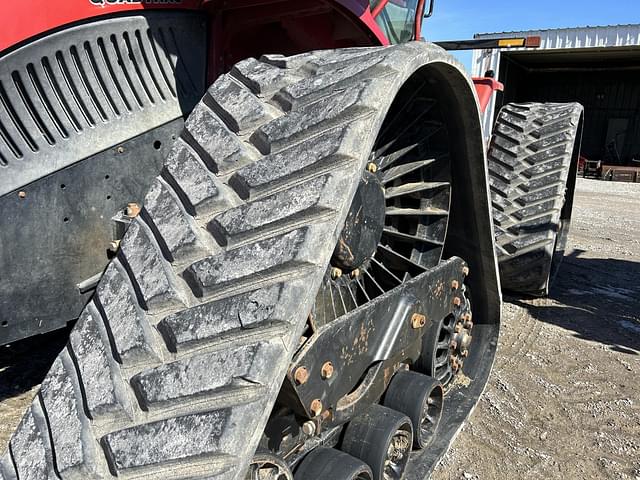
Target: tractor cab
<point>400,20</point>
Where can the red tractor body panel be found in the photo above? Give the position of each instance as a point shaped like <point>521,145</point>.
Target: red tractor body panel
<point>46,15</point>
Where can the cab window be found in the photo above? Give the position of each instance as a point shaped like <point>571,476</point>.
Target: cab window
<point>397,19</point>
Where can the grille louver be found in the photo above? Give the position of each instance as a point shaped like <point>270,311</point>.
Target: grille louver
<point>77,92</point>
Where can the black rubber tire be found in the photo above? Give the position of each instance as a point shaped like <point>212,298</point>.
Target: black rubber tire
<point>415,395</point>
<point>328,463</point>
<point>368,436</point>
<point>174,366</point>
<point>533,159</point>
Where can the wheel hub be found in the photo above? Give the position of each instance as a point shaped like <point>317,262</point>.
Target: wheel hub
<point>363,226</point>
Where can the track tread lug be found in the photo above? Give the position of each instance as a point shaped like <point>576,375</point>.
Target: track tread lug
<point>124,319</point>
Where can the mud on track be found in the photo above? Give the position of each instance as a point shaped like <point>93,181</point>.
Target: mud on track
<point>564,397</point>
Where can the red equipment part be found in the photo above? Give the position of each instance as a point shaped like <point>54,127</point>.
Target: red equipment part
<point>43,18</point>
<point>485,87</point>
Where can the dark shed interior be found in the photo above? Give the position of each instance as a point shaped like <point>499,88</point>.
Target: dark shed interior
<point>605,81</point>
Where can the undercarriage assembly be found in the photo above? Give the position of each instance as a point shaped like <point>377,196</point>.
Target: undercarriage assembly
<point>309,290</point>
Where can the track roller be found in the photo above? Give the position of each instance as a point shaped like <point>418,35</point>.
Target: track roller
<point>420,398</point>
<point>324,463</point>
<point>382,438</point>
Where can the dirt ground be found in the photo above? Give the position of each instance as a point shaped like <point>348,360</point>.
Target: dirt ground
<point>563,400</point>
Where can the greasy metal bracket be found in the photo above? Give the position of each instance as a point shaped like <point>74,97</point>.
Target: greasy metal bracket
<point>364,345</point>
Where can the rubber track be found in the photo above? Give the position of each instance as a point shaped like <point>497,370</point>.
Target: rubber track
<point>174,366</point>
<point>529,159</point>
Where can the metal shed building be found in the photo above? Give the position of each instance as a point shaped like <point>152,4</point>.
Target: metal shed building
<point>596,66</point>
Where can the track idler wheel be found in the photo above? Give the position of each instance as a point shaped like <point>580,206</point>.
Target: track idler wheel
<point>265,466</point>
<point>382,438</point>
<point>421,399</point>
<point>327,463</point>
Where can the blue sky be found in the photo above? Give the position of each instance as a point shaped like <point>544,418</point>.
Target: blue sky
<point>461,19</point>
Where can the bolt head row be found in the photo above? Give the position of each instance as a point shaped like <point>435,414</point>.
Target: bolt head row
<point>301,374</point>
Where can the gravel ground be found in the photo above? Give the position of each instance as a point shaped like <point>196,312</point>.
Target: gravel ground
<point>563,400</point>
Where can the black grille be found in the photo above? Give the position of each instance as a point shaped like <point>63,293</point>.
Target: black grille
<point>77,92</point>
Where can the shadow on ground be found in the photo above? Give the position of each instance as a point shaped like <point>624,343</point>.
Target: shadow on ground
<point>597,298</point>
<point>24,364</point>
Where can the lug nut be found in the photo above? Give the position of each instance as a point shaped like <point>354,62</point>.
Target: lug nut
<point>309,427</point>
<point>418,320</point>
<point>454,285</point>
<point>457,328</point>
<point>457,301</point>
<point>22,194</point>
<point>120,149</point>
<point>114,245</point>
<point>465,271</point>
<point>372,167</point>
<point>316,407</point>
<point>453,345</point>
<point>336,273</point>
<point>301,375</point>
<point>464,353</point>
<point>355,273</point>
<point>327,370</point>
<point>133,210</point>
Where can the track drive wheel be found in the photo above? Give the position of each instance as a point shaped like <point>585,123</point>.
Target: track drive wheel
<point>533,161</point>
<point>174,366</point>
<point>382,438</point>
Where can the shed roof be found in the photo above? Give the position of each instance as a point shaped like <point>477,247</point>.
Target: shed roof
<point>578,37</point>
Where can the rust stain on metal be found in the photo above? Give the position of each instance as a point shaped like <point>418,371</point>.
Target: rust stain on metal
<point>438,289</point>
<point>327,370</point>
<point>133,210</point>
<point>388,373</point>
<point>301,375</point>
<point>418,320</point>
<point>316,407</point>
<point>359,346</point>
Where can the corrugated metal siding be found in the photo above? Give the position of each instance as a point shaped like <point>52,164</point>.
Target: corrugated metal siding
<point>581,37</point>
